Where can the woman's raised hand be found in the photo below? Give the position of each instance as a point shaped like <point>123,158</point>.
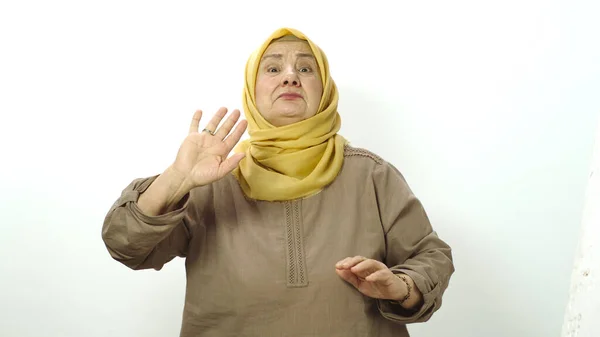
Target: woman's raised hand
<point>202,158</point>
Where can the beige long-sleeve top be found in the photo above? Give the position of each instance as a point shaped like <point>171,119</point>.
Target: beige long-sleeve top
<point>257,268</point>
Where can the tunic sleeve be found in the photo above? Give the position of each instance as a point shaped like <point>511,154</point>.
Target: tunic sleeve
<point>412,246</point>
<point>140,241</point>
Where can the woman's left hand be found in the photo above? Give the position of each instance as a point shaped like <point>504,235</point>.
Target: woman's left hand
<point>371,277</point>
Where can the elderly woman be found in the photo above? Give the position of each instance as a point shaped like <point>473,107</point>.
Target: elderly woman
<point>296,233</point>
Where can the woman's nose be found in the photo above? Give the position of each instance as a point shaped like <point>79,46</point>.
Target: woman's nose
<point>292,83</point>
<point>291,78</point>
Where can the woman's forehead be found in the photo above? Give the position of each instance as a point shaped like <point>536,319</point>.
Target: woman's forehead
<point>286,47</point>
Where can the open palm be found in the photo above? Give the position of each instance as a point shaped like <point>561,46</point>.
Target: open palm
<point>202,157</point>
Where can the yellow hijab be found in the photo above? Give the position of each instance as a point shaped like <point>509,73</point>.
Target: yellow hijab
<point>295,160</point>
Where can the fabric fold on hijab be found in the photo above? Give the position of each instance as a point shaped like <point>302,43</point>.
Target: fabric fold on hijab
<point>296,160</point>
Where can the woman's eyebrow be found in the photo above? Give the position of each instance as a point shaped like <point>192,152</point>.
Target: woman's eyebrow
<point>279,56</point>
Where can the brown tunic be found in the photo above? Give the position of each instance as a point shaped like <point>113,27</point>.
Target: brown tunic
<point>257,268</point>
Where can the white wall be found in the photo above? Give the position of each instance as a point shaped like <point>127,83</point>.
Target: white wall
<point>488,108</point>
<point>583,309</point>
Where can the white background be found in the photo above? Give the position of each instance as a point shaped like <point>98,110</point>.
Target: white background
<point>583,308</point>
<point>488,108</point>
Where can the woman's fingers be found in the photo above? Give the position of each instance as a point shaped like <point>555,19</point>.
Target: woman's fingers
<point>349,277</point>
<point>214,122</point>
<point>366,265</point>
<point>224,130</point>
<point>366,268</point>
<point>350,262</point>
<point>235,136</point>
<point>195,121</point>
<point>360,266</point>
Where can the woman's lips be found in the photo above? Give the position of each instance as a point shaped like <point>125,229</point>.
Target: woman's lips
<point>290,96</point>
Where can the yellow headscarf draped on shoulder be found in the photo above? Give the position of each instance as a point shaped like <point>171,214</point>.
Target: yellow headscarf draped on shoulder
<point>296,160</point>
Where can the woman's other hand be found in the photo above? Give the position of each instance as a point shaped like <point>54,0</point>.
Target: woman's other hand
<point>202,157</point>
<point>376,280</point>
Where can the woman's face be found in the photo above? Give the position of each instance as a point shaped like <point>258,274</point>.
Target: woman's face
<point>288,83</point>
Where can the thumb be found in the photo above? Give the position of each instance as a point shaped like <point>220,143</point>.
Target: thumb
<point>230,164</point>
<point>381,276</point>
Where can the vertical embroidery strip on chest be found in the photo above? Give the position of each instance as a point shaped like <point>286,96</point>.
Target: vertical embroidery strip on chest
<point>296,260</point>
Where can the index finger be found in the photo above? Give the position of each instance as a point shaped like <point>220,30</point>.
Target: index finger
<point>356,260</point>
<point>367,266</point>
<point>195,121</point>
<point>350,262</point>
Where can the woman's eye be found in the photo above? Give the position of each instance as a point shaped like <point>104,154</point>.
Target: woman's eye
<point>304,69</point>
<point>271,70</point>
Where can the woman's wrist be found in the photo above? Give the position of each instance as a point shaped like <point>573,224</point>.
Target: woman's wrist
<point>405,285</point>
<point>164,194</point>
<point>410,296</point>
